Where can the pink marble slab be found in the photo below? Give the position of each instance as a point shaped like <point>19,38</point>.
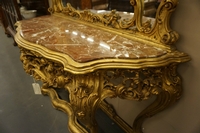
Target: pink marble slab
<point>83,43</point>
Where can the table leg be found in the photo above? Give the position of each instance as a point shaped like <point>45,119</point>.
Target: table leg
<point>85,96</point>
<point>65,107</point>
<point>171,92</point>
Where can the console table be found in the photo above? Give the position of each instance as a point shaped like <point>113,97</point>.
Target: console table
<point>96,56</point>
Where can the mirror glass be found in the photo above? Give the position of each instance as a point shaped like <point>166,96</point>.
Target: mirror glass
<point>150,10</point>
<point>119,5</point>
<point>122,7</point>
<point>150,6</point>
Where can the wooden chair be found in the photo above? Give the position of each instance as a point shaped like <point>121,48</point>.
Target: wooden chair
<point>10,15</point>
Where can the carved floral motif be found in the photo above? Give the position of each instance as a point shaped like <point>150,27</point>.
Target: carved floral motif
<point>43,69</point>
<point>87,91</point>
<point>135,84</point>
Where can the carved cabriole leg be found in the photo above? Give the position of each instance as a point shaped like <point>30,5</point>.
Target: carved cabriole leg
<point>84,99</point>
<point>171,92</point>
<point>86,94</point>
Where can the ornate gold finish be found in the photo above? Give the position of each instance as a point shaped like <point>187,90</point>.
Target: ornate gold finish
<point>89,90</point>
<point>159,32</point>
<point>82,68</point>
<point>89,83</point>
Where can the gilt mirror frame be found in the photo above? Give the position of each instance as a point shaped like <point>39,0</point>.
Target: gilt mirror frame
<point>135,27</point>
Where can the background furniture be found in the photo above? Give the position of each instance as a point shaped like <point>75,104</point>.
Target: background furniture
<point>88,4</point>
<point>150,8</point>
<point>120,5</point>
<point>40,5</point>
<point>10,12</point>
<point>100,4</point>
<point>10,15</point>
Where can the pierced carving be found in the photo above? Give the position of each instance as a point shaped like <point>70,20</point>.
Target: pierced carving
<point>135,84</point>
<point>171,92</point>
<point>87,91</point>
<point>43,69</point>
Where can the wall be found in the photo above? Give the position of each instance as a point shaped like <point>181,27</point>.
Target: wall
<point>184,117</point>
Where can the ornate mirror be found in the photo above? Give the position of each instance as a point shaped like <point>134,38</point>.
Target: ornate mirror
<point>138,17</point>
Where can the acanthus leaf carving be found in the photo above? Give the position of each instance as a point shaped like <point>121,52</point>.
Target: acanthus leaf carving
<point>135,84</point>
<point>88,90</point>
<point>40,68</point>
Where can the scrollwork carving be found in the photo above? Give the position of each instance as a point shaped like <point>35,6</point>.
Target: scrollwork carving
<point>40,68</point>
<point>85,97</point>
<point>135,84</point>
<point>56,6</point>
<point>161,30</point>
<point>87,91</point>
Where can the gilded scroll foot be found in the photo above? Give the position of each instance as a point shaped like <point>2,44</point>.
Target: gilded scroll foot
<point>169,95</point>
<point>64,106</point>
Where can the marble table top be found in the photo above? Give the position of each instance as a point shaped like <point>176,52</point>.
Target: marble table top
<point>83,43</point>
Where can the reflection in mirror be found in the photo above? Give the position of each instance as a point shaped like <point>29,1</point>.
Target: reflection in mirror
<point>64,2</point>
<point>123,7</point>
<point>146,17</point>
<point>150,8</point>
<point>114,13</point>
<point>119,5</point>
<point>74,3</point>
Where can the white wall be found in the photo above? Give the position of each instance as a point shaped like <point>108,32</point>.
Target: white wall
<point>184,116</point>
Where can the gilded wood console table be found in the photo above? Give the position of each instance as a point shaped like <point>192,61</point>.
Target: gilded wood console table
<point>86,52</point>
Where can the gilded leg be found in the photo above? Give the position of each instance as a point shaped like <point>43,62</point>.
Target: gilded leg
<point>85,99</point>
<point>64,106</point>
<point>170,93</point>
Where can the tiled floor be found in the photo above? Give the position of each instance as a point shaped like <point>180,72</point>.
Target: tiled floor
<point>21,111</point>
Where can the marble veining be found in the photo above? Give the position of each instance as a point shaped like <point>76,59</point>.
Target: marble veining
<point>83,43</point>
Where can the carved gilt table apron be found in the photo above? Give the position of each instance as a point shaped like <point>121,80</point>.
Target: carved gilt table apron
<point>85,61</point>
